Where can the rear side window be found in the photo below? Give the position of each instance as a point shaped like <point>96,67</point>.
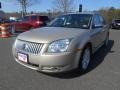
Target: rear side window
<point>33,17</point>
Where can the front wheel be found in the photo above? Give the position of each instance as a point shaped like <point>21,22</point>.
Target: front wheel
<point>85,59</point>
<point>31,28</point>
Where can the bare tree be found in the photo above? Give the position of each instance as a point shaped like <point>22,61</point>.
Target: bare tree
<point>64,6</point>
<point>27,3</point>
<point>24,4</point>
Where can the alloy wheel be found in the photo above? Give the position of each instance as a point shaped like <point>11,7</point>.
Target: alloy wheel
<point>86,59</point>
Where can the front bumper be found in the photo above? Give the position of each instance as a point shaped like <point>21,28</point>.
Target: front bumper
<point>50,63</point>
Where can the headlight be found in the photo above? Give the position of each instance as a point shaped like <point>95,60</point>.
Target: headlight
<point>59,46</point>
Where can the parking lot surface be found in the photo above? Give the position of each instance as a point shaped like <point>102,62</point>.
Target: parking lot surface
<point>103,74</point>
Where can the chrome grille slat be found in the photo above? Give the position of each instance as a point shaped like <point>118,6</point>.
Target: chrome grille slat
<point>35,48</point>
<point>31,50</point>
<point>29,47</point>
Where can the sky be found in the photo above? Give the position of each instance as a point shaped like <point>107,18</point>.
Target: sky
<point>45,5</point>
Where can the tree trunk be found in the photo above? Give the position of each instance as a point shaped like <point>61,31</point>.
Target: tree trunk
<point>24,11</point>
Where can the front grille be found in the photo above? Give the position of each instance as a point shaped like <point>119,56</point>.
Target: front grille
<point>29,47</point>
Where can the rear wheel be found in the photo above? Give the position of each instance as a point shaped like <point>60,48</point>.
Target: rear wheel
<point>85,59</point>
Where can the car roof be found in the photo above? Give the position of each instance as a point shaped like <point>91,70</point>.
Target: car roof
<point>31,15</point>
<point>91,13</point>
<point>35,15</point>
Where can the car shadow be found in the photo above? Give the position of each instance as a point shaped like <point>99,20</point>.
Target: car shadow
<point>97,59</point>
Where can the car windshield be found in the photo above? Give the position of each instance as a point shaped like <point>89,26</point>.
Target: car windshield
<point>26,18</point>
<point>72,21</point>
<point>117,21</point>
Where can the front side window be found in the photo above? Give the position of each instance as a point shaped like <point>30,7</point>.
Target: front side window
<point>96,20</point>
<point>72,21</point>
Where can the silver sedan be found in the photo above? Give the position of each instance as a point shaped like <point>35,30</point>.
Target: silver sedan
<point>66,44</point>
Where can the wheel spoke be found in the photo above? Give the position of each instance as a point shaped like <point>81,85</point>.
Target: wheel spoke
<point>86,59</point>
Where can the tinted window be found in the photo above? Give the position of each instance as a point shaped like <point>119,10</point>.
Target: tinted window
<point>19,19</point>
<point>33,17</point>
<point>72,21</point>
<point>26,18</point>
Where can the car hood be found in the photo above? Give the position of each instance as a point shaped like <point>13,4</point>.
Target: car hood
<point>49,34</point>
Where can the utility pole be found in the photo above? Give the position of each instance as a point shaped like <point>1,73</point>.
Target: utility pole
<point>23,3</point>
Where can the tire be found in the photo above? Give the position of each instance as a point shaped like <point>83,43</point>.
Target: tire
<point>85,59</point>
<point>31,28</point>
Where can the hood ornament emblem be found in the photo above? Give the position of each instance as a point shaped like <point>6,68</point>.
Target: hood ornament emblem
<point>25,47</point>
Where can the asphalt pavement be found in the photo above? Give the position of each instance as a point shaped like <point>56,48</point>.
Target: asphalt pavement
<point>103,74</point>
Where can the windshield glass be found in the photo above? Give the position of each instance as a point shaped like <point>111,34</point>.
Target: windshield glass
<point>72,21</point>
<point>26,18</point>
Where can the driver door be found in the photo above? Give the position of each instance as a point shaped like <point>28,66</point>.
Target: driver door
<point>96,32</point>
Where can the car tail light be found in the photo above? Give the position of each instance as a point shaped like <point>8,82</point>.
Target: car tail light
<point>39,22</point>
